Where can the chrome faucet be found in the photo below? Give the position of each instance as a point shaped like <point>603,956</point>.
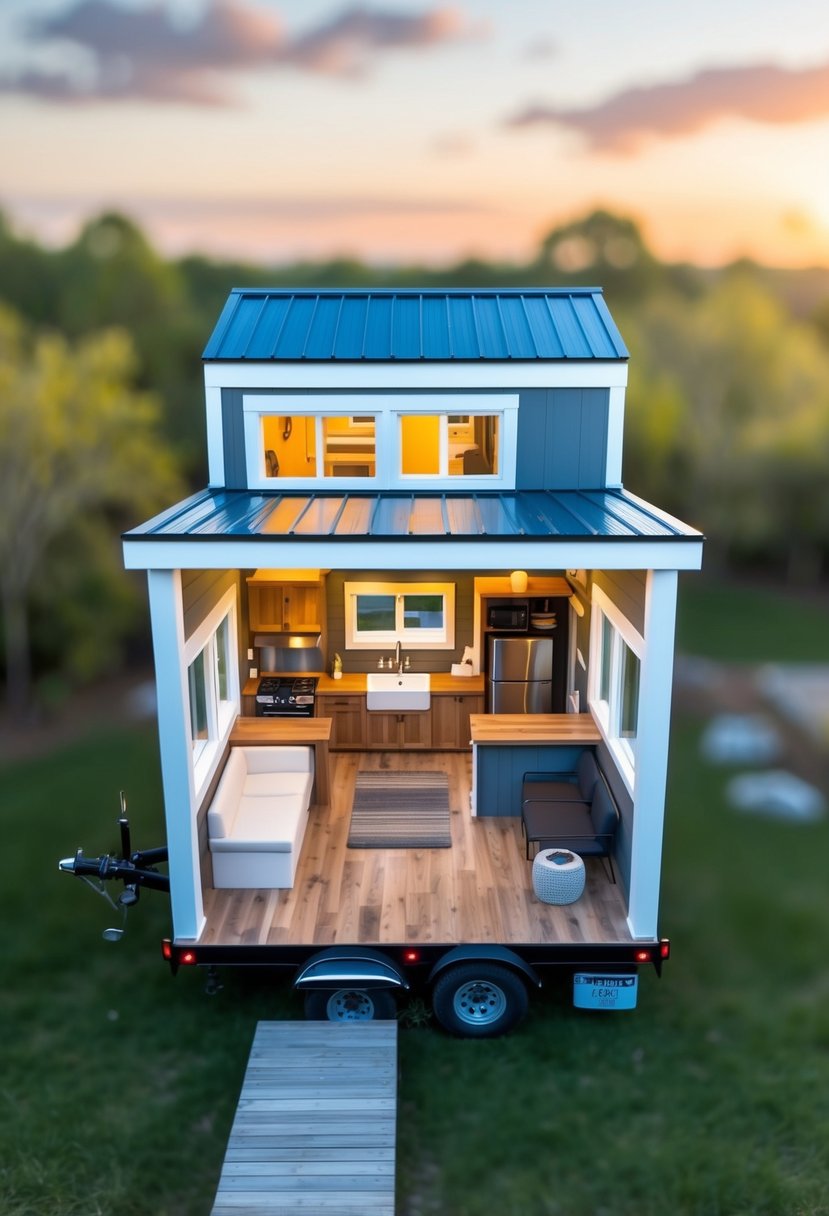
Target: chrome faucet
<point>398,658</point>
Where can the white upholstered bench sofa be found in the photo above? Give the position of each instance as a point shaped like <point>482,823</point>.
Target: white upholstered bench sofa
<point>258,816</point>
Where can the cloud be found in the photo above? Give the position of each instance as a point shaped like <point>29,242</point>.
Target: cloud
<point>762,93</point>
<point>343,45</point>
<point>147,54</point>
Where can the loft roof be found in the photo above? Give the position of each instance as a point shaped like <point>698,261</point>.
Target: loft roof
<point>384,325</point>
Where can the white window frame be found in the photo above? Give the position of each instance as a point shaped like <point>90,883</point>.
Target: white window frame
<point>386,408</point>
<point>412,639</point>
<point>607,712</point>
<point>221,713</point>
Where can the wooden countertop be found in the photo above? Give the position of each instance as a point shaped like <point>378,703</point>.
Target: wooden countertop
<point>441,682</point>
<point>251,731</point>
<point>506,729</point>
<point>355,682</point>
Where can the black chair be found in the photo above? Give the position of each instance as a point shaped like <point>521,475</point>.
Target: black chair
<point>583,827</point>
<point>574,786</point>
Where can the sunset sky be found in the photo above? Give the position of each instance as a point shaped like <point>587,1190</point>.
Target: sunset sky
<point>415,131</point>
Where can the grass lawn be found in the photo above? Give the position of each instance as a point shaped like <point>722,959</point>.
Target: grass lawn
<point>739,623</point>
<point>712,1099</point>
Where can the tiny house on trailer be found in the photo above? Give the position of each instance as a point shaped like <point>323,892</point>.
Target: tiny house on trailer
<point>408,487</point>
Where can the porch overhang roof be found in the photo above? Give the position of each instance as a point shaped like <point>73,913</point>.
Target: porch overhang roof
<point>217,529</point>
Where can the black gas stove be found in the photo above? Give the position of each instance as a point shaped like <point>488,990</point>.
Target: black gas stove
<point>285,697</point>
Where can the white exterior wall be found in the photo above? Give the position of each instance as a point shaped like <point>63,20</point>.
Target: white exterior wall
<point>166,614</point>
<point>653,733</point>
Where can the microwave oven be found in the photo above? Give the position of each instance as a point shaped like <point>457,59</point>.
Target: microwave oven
<point>509,616</point>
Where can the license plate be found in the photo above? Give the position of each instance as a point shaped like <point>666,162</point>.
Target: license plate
<point>591,991</point>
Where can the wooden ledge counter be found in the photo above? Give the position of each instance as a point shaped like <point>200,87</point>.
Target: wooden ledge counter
<point>534,728</point>
<point>506,746</point>
<point>290,732</point>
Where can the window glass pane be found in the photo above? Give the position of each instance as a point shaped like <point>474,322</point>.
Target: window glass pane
<point>606,644</point>
<point>473,445</point>
<point>375,613</point>
<point>196,679</point>
<point>629,690</point>
<point>420,444</point>
<point>349,446</point>
<point>223,659</point>
<point>422,611</point>
<point>289,446</point>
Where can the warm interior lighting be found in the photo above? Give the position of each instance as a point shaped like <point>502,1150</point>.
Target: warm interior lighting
<point>518,581</point>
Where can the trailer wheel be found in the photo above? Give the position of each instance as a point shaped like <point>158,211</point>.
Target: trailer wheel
<point>350,1005</point>
<point>479,1000</point>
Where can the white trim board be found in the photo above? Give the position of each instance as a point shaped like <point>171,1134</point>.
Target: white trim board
<point>489,375</point>
<point>406,553</point>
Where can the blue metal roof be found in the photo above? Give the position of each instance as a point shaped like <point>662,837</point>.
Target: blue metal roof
<point>383,325</point>
<point>521,516</point>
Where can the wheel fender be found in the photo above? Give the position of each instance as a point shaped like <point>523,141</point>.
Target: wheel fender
<point>488,954</point>
<point>340,966</point>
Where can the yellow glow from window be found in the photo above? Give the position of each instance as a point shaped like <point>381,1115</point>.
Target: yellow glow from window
<point>420,444</point>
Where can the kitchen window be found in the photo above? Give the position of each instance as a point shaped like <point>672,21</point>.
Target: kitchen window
<point>613,686</point>
<point>212,686</point>
<point>421,616</point>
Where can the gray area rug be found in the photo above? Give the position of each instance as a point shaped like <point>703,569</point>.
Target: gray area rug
<point>399,810</point>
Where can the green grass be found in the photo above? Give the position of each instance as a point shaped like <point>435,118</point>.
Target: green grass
<point>743,624</point>
<point>712,1099</point>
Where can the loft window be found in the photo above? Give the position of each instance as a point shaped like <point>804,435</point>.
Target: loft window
<point>613,684</point>
<point>449,445</point>
<point>318,445</point>
<point>408,440</point>
<point>421,616</point>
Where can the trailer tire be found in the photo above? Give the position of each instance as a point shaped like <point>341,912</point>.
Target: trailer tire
<point>350,1005</point>
<point>479,1000</point>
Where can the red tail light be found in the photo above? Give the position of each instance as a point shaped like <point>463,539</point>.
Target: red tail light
<point>665,949</point>
<point>187,958</point>
<point>411,956</point>
<point>643,956</point>
<point>167,949</point>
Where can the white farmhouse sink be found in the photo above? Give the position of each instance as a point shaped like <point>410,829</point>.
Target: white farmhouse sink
<point>388,690</point>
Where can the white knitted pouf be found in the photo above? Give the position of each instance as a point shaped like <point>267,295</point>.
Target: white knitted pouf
<point>558,876</point>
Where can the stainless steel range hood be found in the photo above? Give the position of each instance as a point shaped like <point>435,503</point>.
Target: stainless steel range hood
<point>289,652</point>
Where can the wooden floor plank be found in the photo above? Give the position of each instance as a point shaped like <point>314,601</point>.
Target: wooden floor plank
<point>315,1125</point>
<point>479,890</point>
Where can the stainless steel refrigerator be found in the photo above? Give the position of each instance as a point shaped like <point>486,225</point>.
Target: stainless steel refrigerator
<point>520,675</point>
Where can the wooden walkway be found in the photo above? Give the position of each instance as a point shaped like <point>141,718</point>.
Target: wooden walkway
<point>314,1131</point>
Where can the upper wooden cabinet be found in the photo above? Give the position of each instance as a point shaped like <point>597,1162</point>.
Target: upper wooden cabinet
<point>285,601</point>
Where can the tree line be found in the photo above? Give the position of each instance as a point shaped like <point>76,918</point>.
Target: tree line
<point>102,417</point>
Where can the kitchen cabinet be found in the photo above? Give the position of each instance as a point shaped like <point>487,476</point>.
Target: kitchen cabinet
<point>347,715</point>
<point>450,719</point>
<point>396,731</point>
<point>277,606</point>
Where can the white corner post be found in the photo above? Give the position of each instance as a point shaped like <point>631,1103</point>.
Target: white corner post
<point>615,436</point>
<point>167,617</point>
<point>653,736</point>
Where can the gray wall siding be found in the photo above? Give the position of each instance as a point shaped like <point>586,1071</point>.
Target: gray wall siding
<point>627,590</point>
<point>233,438</point>
<point>562,439</point>
<point>201,590</point>
<point>421,660</point>
<point>562,436</point>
